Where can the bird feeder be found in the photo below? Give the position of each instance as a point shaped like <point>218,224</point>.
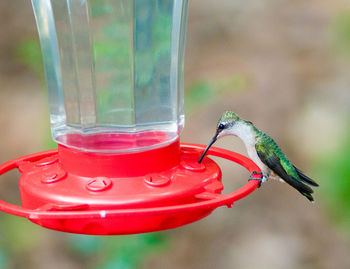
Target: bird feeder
<point>114,72</point>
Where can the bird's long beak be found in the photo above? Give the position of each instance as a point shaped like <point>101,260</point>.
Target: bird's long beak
<point>209,145</point>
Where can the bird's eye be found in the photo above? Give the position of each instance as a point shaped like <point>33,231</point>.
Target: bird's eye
<point>221,126</point>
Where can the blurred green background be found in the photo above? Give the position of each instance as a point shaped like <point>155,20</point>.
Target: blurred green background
<point>282,64</point>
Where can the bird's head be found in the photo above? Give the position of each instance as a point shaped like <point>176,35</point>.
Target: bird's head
<point>228,124</point>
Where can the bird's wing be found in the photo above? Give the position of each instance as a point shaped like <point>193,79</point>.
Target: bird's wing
<point>281,166</point>
<point>305,178</point>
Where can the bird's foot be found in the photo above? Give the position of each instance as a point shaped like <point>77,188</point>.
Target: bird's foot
<point>260,177</point>
<point>264,179</point>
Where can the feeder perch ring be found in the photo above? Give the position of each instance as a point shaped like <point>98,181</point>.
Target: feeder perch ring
<point>82,219</point>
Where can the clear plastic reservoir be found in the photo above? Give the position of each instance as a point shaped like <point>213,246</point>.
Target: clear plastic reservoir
<point>114,71</point>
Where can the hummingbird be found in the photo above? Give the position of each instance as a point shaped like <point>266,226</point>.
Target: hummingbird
<point>264,151</point>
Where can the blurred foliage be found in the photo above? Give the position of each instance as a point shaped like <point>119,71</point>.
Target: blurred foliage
<point>333,169</point>
<point>92,252</point>
<point>20,235</point>
<point>203,91</point>
<point>20,238</point>
<point>118,252</point>
<point>341,31</point>
<point>3,259</point>
<point>28,52</point>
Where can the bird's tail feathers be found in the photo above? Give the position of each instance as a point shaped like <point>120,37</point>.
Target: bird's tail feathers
<point>301,187</point>
<point>305,178</point>
<point>308,196</point>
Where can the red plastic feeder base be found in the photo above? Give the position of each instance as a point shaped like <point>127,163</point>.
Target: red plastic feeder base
<point>110,194</point>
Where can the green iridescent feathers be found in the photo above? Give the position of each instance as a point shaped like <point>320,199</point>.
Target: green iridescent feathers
<point>271,155</point>
<point>267,147</point>
<point>227,116</point>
